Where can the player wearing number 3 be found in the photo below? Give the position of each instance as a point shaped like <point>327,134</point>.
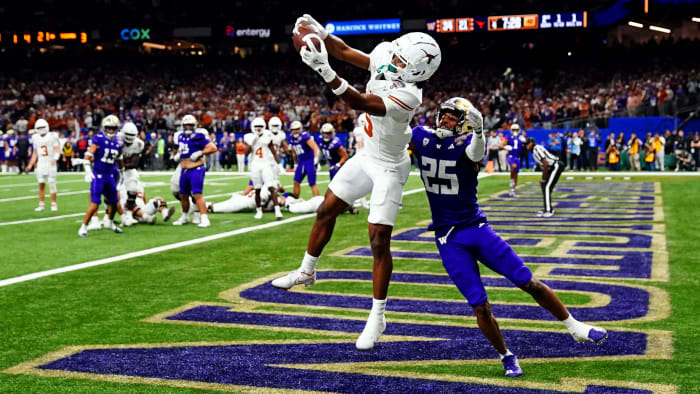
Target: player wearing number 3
<point>45,154</point>
<point>106,154</point>
<point>448,158</point>
<point>391,97</point>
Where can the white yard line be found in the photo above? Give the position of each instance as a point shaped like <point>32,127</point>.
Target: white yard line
<point>34,196</point>
<point>158,249</point>
<point>35,184</point>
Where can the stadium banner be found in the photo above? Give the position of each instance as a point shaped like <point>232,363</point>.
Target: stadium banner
<point>366,26</point>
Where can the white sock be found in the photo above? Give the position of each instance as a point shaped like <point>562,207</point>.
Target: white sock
<point>378,306</point>
<point>512,184</point>
<point>575,326</point>
<point>83,227</point>
<point>258,209</point>
<point>506,354</point>
<point>204,216</point>
<point>308,264</point>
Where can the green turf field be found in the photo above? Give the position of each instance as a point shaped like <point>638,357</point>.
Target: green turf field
<point>152,301</point>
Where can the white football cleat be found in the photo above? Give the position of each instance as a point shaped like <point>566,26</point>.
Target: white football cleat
<point>150,219</point>
<point>94,224</point>
<point>196,218</point>
<point>106,223</point>
<point>183,220</point>
<point>204,222</point>
<point>40,208</point>
<point>376,324</point>
<point>54,208</point>
<point>297,277</point>
<point>83,231</point>
<point>258,215</point>
<point>278,213</point>
<point>128,219</point>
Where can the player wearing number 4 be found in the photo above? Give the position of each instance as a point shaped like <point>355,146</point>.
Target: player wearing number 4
<point>193,145</point>
<point>105,152</point>
<point>260,143</point>
<point>45,155</point>
<point>448,158</point>
<point>392,95</point>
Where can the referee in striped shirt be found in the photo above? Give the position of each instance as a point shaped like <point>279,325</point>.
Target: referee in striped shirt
<point>551,170</point>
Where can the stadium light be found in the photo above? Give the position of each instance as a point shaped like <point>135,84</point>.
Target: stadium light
<point>695,19</point>
<point>153,45</point>
<point>661,29</point>
<point>635,24</point>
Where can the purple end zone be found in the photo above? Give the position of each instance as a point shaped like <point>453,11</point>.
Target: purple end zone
<point>626,302</point>
<point>249,365</point>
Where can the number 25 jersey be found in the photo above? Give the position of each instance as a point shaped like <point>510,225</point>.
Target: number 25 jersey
<point>449,178</point>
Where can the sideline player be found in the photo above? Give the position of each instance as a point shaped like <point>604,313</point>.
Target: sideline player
<point>393,92</point>
<point>193,145</point>
<point>279,140</point>
<point>448,160</point>
<point>11,152</point>
<point>105,152</point>
<point>333,149</point>
<point>513,145</point>
<point>133,146</point>
<point>264,155</point>
<point>45,154</point>
<point>551,170</point>
<point>307,155</point>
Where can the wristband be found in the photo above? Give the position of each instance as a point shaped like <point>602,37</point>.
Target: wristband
<point>56,156</point>
<point>342,88</point>
<point>327,73</point>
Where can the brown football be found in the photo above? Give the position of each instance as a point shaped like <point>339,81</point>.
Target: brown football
<point>298,38</point>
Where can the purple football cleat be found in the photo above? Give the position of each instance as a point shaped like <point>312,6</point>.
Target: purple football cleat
<point>510,364</point>
<point>597,335</point>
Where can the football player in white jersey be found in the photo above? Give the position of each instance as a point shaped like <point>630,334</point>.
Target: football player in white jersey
<point>299,205</point>
<point>242,202</point>
<point>279,139</point>
<point>45,154</point>
<point>264,155</point>
<point>133,147</point>
<point>393,92</point>
<point>144,211</point>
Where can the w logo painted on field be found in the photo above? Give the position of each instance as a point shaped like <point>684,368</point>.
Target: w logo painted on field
<point>421,331</point>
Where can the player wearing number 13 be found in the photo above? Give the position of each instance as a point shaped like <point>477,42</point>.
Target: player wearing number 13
<point>448,158</point>
<point>106,153</point>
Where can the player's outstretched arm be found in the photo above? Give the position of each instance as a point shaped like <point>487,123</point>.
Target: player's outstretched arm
<point>336,47</point>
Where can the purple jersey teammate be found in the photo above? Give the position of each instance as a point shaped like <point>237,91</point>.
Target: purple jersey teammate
<point>332,149</point>
<point>513,145</point>
<point>105,152</point>
<point>306,151</point>
<point>448,160</point>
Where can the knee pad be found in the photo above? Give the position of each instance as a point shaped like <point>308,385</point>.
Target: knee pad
<point>52,187</point>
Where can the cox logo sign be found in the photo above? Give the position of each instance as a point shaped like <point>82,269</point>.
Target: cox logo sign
<point>136,34</point>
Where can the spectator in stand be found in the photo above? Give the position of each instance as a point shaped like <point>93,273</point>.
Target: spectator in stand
<point>613,157</point>
<point>657,144</point>
<point>695,148</point>
<point>240,154</point>
<point>593,149</point>
<point>224,146</point>
<point>633,149</point>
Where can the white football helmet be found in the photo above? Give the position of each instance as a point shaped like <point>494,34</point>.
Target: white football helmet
<point>295,127</point>
<point>275,124</point>
<point>129,132</point>
<point>257,125</point>
<point>41,126</point>
<point>1,133</point>
<point>187,121</point>
<point>515,129</point>
<point>327,132</point>
<point>10,133</point>
<point>421,55</point>
<point>110,125</point>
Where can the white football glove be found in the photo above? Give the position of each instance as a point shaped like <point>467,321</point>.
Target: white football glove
<point>317,59</point>
<point>309,21</point>
<point>89,176</point>
<point>196,155</point>
<point>476,119</point>
<point>508,148</point>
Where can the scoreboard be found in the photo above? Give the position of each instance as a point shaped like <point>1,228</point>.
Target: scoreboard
<point>509,22</point>
<point>43,37</point>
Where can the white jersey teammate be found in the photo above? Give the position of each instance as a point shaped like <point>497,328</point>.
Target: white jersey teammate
<point>45,154</point>
<point>391,97</point>
<point>264,157</point>
<point>133,147</point>
<point>279,140</point>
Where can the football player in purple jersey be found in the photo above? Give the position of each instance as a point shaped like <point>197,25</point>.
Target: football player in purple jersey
<point>332,149</point>
<point>306,151</point>
<point>448,158</point>
<point>105,153</point>
<point>513,145</point>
